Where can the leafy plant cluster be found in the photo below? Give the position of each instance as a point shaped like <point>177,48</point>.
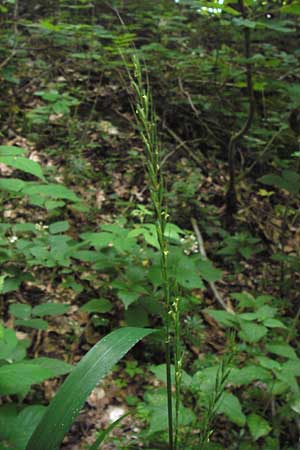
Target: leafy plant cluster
<point>224,79</point>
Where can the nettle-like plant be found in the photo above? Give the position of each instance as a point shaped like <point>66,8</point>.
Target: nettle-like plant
<point>141,263</point>
<point>57,106</point>
<point>265,364</point>
<point>36,427</point>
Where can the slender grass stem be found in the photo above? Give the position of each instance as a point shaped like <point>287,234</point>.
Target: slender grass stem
<point>146,120</point>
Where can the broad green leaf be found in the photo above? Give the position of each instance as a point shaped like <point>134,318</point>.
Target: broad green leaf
<point>248,374</point>
<point>51,190</point>
<point>266,312</point>
<point>248,316</point>
<point>245,299</point>
<point>98,240</point>
<point>50,309</point>
<point>230,406</point>
<point>54,366</point>
<point>208,271</point>
<point>187,275</point>
<point>258,426</point>
<point>8,343</point>
<point>251,332</point>
<point>71,396</point>
<point>269,363</point>
<point>292,366</point>
<point>38,324</point>
<point>225,318</point>
<point>172,231</point>
<point>282,350</point>
<point>289,180</point>
<point>20,310</point>
<point>7,150</point>
<point>59,227</point>
<point>88,256</point>
<point>12,184</point>
<point>279,26</point>
<point>128,296</point>
<point>274,323</point>
<point>205,379</point>
<point>156,404</point>
<point>160,373</point>
<point>11,284</point>
<point>21,426</point>
<point>286,376</point>
<point>16,377</point>
<point>99,305</point>
<point>137,315</point>
<point>25,227</point>
<point>24,164</point>
<point>53,204</point>
<point>8,414</point>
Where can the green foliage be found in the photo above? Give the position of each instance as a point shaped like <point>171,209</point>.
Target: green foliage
<point>72,394</point>
<point>62,99</point>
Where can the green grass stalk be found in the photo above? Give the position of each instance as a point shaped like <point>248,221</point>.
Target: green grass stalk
<point>215,397</point>
<point>146,120</point>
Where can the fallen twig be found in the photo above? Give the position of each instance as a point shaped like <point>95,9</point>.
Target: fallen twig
<point>202,251</point>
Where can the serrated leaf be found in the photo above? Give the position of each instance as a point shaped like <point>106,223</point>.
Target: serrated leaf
<point>208,271</point>
<point>128,297</point>
<point>258,426</point>
<point>269,363</point>
<point>282,350</point>
<point>266,312</point>
<point>245,299</point>
<point>230,406</point>
<point>225,318</point>
<point>156,404</point>
<point>252,332</point>
<point>187,275</point>
<point>71,396</point>
<point>248,374</point>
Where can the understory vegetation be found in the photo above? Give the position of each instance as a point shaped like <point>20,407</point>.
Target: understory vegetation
<point>149,234</point>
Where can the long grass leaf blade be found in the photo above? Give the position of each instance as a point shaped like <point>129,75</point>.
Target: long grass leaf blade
<point>68,401</point>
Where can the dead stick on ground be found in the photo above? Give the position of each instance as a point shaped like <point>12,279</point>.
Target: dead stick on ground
<point>202,251</point>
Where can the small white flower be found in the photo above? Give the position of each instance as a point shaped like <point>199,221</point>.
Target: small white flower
<point>13,239</point>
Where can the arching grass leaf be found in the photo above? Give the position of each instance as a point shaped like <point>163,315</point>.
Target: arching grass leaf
<point>70,398</point>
